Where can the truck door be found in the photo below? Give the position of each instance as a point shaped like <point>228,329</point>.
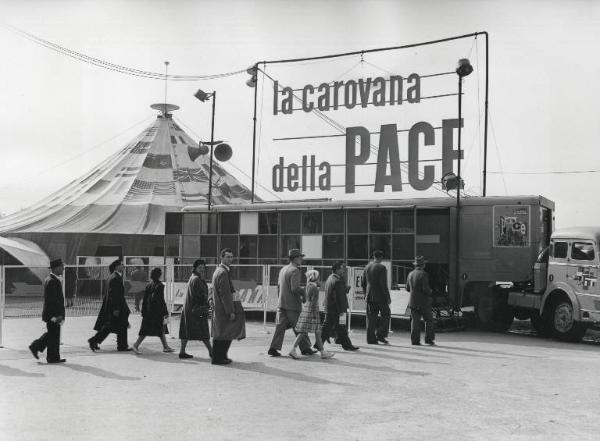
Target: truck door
<point>557,267</point>
<point>583,273</point>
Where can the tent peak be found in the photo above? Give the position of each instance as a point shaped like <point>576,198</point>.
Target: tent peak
<point>165,109</point>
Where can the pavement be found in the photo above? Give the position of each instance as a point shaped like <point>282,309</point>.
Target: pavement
<point>471,386</point>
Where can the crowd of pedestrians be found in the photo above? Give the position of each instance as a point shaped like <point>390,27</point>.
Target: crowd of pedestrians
<point>297,309</point>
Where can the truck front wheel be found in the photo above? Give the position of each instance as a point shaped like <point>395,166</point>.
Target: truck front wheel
<point>562,321</point>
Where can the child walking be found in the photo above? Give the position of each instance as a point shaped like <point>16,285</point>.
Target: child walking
<point>310,320</point>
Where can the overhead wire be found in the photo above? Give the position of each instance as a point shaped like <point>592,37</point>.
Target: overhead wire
<point>479,106</point>
<point>552,172</point>
<point>116,67</point>
<point>497,151</point>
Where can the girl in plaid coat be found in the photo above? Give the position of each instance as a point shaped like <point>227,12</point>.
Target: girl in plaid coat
<point>310,320</point>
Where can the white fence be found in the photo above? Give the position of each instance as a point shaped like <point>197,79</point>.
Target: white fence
<point>21,289</point>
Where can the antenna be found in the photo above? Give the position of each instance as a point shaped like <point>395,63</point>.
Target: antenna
<point>166,76</point>
<point>165,108</point>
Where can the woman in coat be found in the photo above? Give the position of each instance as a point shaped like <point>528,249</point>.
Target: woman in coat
<point>154,313</point>
<point>194,317</point>
<point>310,319</point>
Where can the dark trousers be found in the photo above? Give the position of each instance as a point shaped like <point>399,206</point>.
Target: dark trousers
<point>103,333</point>
<point>331,327</point>
<point>377,327</point>
<point>220,349</point>
<point>287,319</point>
<point>415,324</point>
<point>50,340</point>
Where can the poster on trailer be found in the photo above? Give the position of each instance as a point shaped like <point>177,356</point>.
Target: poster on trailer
<point>511,225</point>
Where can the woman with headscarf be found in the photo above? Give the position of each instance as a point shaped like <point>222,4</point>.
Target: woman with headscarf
<point>194,317</point>
<point>154,313</point>
<point>310,319</point>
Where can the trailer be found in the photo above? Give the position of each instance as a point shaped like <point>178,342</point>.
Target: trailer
<point>474,250</point>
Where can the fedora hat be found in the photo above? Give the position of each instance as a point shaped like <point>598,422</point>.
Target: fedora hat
<point>56,263</point>
<point>295,252</point>
<point>419,261</point>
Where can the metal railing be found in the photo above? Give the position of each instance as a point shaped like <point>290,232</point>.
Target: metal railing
<point>84,286</point>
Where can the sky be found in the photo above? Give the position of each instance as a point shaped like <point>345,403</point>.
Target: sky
<point>60,117</point>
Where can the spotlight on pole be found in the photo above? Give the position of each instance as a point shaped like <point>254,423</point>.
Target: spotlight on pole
<point>202,95</point>
<point>252,71</point>
<point>464,67</point>
<point>450,182</point>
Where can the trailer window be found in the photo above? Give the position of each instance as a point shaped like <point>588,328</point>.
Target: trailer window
<point>559,250</point>
<point>582,251</point>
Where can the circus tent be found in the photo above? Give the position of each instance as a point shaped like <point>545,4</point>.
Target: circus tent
<point>122,202</point>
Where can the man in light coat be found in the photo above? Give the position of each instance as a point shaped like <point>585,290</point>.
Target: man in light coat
<point>375,286</point>
<point>417,284</point>
<point>53,314</point>
<point>229,322</point>
<point>291,296</point>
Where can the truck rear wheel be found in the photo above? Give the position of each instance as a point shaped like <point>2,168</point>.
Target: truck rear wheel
<point>492,310</point>
<point>564,326</point>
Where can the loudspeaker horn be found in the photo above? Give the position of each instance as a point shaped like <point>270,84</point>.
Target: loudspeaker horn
<point>223,152</point>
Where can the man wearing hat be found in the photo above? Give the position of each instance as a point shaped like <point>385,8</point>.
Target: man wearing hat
<point>291,295</point>
<point>336,305</point>
<point>53,314</point>
<point>114,314</point>
<point>417,283</point>
<point>375,285</point>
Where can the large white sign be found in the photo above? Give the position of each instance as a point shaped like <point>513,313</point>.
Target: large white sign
<point>371,124</point>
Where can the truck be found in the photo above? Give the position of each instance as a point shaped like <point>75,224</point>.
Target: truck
<point>563,298</point>
<point>485,254</point>
<point>497,256</point>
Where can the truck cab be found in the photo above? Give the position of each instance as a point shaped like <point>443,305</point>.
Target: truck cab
<point>565,299</point>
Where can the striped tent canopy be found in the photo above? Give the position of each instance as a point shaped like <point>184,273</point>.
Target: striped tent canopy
<point>161,170</point>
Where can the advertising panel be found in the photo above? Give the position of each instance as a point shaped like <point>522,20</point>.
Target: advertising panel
<point>378,124</point>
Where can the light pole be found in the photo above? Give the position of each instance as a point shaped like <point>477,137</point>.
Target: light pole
<point>251,82</point>
<point>203,96</point>
<point>463,69</point>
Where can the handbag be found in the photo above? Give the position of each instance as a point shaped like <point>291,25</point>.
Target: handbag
<point>200,310</point>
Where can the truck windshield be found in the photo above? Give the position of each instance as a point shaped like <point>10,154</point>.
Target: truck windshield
<point>582,251</point>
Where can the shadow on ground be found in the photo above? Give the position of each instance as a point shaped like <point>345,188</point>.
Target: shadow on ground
<point>368,367</point>
<point>7,371</point>
<point>98,372</point>
<point>262,368</point>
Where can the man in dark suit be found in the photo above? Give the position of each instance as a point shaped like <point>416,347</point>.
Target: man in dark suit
<point>417,283</point>
<point>336,305</point>
<point>114,314</point>
<point>53,314</point>
<point>375,285</point>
